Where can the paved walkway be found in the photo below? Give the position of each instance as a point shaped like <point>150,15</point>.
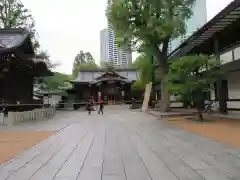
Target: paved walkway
<point>123,145</point>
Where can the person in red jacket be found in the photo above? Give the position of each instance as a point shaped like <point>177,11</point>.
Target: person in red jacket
<point>101,106</point>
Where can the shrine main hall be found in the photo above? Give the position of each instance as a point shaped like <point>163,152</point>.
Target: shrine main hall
<point>111,85</point>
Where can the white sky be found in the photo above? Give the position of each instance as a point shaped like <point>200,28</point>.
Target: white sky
<point>66,27</point>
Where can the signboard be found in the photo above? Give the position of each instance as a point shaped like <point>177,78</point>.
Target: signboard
<point>147,96</point>
<point>99,97</point>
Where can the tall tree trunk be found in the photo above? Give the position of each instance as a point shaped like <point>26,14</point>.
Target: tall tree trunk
<point>199,116</point>
<point>199,104</point>
<point>163,61</point>
<point>165,100</point>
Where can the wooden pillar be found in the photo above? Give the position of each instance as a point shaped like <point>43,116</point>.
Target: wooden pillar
<point>222,89</point>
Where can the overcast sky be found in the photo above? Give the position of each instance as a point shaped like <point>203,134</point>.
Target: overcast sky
<point>66,27</point>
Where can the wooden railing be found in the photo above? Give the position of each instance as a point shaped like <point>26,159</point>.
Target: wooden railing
<point>33,115</point>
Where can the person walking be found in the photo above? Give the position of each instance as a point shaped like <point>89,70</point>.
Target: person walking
<point>89,107</point>
<point>101,106</point>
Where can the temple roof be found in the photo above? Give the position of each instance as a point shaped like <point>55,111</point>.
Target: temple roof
<point>16,43</point>
<point>95,76</point>
<point>10,39</point>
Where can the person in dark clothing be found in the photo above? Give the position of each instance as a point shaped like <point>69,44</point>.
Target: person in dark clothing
<point>89,107</point>
<point>101,105</point>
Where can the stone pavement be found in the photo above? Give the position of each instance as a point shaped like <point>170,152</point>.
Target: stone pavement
<point>123,145</point>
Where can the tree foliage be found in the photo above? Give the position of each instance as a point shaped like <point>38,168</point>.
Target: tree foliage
<point>43,55</point>
<point>90,65</point>
<point>193,76</point>
<point>54,82</point>
<point>143,64</point>
<point>83,61</point>
<point>13,14</point>
<point>146,67</point>
<point>138,85</point>
<point>89,58</point>
<point>151,23</point>
<point>82,58</point>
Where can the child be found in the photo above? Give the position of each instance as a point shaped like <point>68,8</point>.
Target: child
<point>89,107</point>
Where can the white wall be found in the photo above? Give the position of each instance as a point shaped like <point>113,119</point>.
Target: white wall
<point>233,89</point>
<point>176,104</point>
<point>212,95</point>
<point>53,100</point>
<point>226,57</point>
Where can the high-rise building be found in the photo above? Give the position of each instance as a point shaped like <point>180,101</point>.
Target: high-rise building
<point>110,52</point>
<point>104,46</point>
<point>198,19</point>
<point>113,52</point>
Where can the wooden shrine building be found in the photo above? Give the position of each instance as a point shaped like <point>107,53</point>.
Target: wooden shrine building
<point>18,69</point>
<point>220,37</point>
<point>112,86</point>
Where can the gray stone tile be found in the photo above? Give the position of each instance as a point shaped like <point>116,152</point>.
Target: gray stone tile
<point>73,165</point>
<point>113,177</point>
<point>113,162</point>
<point>29,169</point>
<point>122,145</point>
<point>156,168</point>
<point>195,162</point>
<point>133,165</point>
<point>211,174</point>
<point>51,168</point>
<point>174,163</point>
<point>92,168</point>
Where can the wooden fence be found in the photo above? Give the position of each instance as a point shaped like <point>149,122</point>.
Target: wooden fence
<point>36,114</point>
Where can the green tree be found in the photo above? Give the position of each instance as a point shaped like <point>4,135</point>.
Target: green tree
<point>83,61</point>
<point>138,85</point>
<point>13,14</point>
<point>90,65</point>
<point>144,67</point>
<point>43,55</point>
<point>80,58</point>
<point>54,82</point>
<point>193,76</point>
<point>151,23</point>
<point>147,69</point>
<point>89,58</point>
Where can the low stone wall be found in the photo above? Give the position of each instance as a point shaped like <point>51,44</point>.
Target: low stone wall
<point>36,114</point>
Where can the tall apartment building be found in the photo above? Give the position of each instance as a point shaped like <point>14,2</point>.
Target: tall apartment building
<point>119,57</point>
<point>198,19</point>
<point>103,46</point>
<point>110,52</point>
